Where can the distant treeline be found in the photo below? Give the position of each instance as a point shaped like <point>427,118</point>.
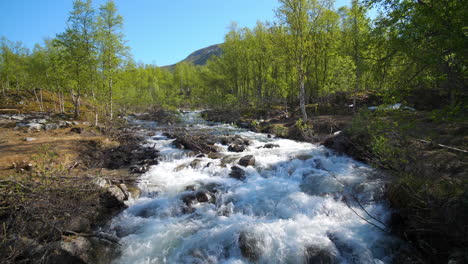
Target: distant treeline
<point>310,52</point>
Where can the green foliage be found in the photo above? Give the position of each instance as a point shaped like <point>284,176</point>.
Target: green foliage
<point>387,133</point>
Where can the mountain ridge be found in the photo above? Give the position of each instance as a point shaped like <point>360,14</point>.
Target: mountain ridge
<point>199,57</point>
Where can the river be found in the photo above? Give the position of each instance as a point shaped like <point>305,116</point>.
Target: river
<point>299,203</point>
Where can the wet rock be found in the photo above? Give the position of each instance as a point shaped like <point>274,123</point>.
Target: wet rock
<point>134,192</point>
<point>314,255</point>
<point>180,167</point>
<point>248,160</point>
<point>229,159</point>
<point>269,136</point>
<point>205,197</point>
<point>77,130</point>
<point>51,126</point>
<point>196,164</point>
<point>236,148</point>
<point>214,155</point>
<point>250,246</point>
<point>237,173</point>
<point>270,146</point>
<point>202,196</point>
<point>139,169</point>
<point>352,252</point>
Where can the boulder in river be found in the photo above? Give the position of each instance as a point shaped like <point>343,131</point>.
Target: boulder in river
<point>196,164</point>
<point>315,255</point>
<point>236,148</point>
<point>114,197</point>
<point>250,246</point>
<point>248,160</point>
<point>270,146</point>
<point>237,173</point>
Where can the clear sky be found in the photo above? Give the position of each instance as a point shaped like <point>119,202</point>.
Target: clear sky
<point>161,32</point>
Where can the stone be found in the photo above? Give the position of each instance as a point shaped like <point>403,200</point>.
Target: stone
<point>214,155</point>
<point>51,126</point>
<point>236,148</point>
<point>250,246</point>
<point>248,160</point>
<point>237,173</point>
<point>196,164</point>
<point>29,139</point>
<point>180,167</point>
<point>79,224</point>
<point>139,169</point>
<point>114,197</point>
<point>78,247</point>
<point>270,146</point>
<point>314,255</point>
<point>35,127</point>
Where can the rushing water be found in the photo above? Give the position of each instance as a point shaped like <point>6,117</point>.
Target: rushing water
<point>298,199</point>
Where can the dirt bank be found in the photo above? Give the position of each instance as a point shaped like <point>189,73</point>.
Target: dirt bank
<point>60,186</point>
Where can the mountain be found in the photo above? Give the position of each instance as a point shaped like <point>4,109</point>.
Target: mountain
<point>200,57</point>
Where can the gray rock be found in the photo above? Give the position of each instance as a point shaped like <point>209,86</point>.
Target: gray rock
<point>35,127</point>
<point>196,164</point>
<point>78,247</point>
<point>248,160</point>
<point>29,139</point>
<point>114,197</point>
<point>180,167</point>
<point>271,145</point>
<point>79,225</point>
<point>250,246</point>
<point>51,126</point>
<point>236,148</point>
<point>237,173</point>
<point>64,124</point>
<point>314,255</point>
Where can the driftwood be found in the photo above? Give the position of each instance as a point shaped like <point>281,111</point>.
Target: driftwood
<point>442,146</point>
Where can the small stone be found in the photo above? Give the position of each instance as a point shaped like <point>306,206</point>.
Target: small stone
<point>29,139</point>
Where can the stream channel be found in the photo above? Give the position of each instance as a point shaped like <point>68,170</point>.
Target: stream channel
<point>299,203</point>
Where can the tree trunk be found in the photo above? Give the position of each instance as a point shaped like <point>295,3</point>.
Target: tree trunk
<point>302,95</point>
<point>41,100</point>
<point>110,99</point>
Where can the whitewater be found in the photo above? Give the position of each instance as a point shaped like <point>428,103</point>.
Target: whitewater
<point>299,203</point>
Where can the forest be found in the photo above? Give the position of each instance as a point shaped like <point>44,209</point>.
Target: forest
<point>309,54</point>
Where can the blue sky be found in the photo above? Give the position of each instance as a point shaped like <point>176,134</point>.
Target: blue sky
<point>161,32</point>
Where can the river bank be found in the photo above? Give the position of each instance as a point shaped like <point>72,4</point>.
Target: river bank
<point>425,153</point>
<point>61,181</point>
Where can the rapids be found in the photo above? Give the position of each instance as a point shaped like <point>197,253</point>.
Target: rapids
<point>300,203</point>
